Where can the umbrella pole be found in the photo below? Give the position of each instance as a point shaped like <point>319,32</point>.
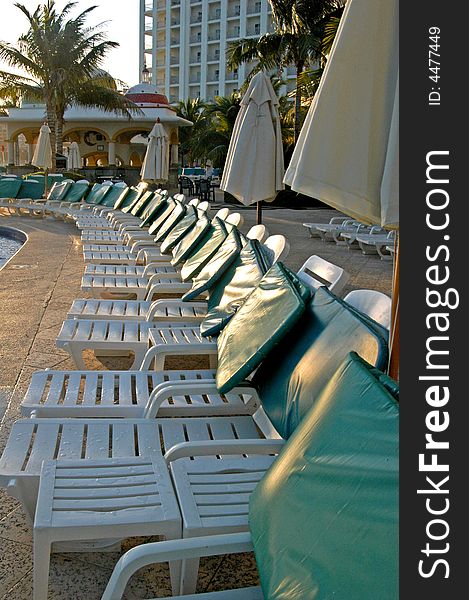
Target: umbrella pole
<point>46,177</point>
<point>394,331</point>
<point>259,212</point>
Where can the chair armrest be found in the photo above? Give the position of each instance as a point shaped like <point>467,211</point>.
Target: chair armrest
<point>217,447</point>
<point>160,351</point>
<point>172,550</point>
<point>168,389</point>
<point>171,302</point>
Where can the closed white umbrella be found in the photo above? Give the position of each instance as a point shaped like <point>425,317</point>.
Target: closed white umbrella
<point>74,158</point>
<point>156,162</point>
<point>347,152</point>
<point>42,157</point>
<point>254,166</point>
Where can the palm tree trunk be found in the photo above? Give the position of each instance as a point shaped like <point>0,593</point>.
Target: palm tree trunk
<point>52,126</point>
<point>299,71</point>
<point>60,136</point>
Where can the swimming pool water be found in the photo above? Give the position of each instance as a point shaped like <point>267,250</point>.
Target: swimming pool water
<point>9,244</point>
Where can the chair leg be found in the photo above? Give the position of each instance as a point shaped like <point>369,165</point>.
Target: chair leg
<point>189,574</point>
<point>42,548</point>
<point>77,356</point>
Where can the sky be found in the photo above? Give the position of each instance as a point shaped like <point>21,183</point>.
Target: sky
<point>122,27</point>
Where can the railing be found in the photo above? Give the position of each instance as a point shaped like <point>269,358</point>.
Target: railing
<point>197,19</point>
<point>195,39</point>
<point>213,37</point>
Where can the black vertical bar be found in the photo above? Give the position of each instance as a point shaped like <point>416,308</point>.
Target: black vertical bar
<point>434,212</point>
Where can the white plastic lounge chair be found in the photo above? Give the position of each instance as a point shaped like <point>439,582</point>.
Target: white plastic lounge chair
<point>311,227</point>
<point>213,494</point>
<point>332,232</point>
<point>124,336</point>
<point>376,242</point>
<point>317,271</point>
<point>372,303</point>
<point>349,238</point>
<point>160,277</point>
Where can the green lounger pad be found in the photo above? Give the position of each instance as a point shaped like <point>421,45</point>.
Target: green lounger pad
<point>180,230</point>
<point>30,189</point>
<point>138,206</point>
<point>59,191</point>
<point>99,195</point>
<point>174,218</point>
<point>189,243</point>
<point>166,209</point>
<point>234,286</point>
<point>324,518</point>
<point>9,188</point>
<point>77,192</point>
<point>151,210</point>
<point>216,266</point>
<point>127,197</point>
<point>267,315</point>
<point>292,375</point>
<point>205,250</point>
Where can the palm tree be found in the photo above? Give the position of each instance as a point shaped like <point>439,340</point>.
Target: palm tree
<point>60,58</point>
<point>296,40</point>
<point>214,139</point>
<point>194,110</point>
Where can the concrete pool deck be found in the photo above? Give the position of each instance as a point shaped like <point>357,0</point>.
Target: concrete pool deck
<point>37,288</point>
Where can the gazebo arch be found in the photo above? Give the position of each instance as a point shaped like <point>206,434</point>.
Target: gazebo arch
<point>72,129</point>
<point>127,133</point>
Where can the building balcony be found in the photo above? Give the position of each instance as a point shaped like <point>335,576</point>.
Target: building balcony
<point>197,19</point>
<point>213,37</point>
<point>174,61</point>
<point>175,22</point>
<point>195,39</point>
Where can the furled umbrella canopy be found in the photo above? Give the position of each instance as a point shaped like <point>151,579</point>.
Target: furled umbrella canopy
<point>74,158</point>
<point>43,152</point>
<point>254,166</point>
<point>347,152</point>
<point>156,163</point>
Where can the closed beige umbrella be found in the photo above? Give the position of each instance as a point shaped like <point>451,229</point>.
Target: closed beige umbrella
<point>347,152</point>
<point>156,162</point>
<point>73,158</point>
<point>42,157</point>
<point>254,166</point>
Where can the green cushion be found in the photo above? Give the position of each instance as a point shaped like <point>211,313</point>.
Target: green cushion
<point>152,209</point>
<point>189,243</point>
<point>59,191</point>
<point>199,253</point>
<point>180,230</point>
<point>174,218</point>
<point>234,286</point>
<point>291,377</point>
<point>216,266</point>
<point>266,316</point>
<point>139,205</point>
<point>324,518</point>
<point>77,192</point>
<point>30,189</point>
<point>9,188</point>
<point>166,209</point>
<point>125,197</point>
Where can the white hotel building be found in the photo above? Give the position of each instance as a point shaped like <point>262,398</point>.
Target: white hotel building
<point>182,43</point>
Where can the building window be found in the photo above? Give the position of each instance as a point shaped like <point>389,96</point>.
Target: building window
<point>257,28</point>
<point>217,53</point>
<point>217,13</point>
<point>217,74</point>
<point>257,6</point>
<point>237,10</point>
<point>198,56</point>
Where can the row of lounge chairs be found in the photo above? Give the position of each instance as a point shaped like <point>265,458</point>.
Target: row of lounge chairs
<point>370,239</point>
<point>285,446</point>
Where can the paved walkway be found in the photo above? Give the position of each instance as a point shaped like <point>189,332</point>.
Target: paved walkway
<point>36,289</point>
